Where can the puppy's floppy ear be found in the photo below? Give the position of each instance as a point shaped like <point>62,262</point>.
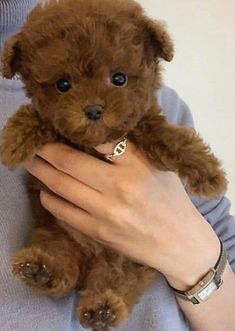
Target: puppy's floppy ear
<point>159,38</point>
<point>11,57</point>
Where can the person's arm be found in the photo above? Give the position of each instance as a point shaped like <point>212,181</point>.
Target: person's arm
<point>209,315</point>
<point>217,313</point>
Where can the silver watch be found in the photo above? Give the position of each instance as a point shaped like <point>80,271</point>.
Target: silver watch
<point>210,283</point>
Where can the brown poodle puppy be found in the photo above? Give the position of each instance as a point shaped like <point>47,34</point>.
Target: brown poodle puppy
<point>91,69</point>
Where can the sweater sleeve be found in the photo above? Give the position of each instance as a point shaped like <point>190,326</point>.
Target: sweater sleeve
<point>216,212</point>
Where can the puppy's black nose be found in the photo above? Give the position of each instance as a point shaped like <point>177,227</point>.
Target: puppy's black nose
<point>94,112</point>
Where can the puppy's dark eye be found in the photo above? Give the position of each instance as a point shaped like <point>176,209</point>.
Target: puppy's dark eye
<point>119,79</point>
<point>63,85</point>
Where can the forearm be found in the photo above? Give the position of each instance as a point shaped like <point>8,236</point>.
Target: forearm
<point>217,313</point>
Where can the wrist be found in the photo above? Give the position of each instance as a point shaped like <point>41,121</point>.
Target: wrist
<point>196,266</point>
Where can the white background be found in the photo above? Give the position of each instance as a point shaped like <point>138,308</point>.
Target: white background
<point>203,69</point>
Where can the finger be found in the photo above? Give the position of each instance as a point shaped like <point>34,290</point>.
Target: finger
<point>70,214</point>
<point>84,167</point>
<point>67,187</point>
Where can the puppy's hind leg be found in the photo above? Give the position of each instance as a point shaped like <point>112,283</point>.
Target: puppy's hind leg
<point>50,265</point>
<point>112,288</point>
<point>53,262</point>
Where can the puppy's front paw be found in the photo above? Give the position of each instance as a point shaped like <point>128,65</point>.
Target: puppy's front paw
<point>211,185</point>
<point>22,136</point>
<point>100,312</point>
<point>13,153</point>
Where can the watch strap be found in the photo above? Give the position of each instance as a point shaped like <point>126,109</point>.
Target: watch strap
<point>218,271</point>
<point>221,264</point>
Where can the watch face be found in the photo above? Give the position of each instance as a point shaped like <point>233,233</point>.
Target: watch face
<point>204,294</point>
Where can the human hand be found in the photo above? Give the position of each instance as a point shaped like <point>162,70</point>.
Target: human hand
<point>129,206</point>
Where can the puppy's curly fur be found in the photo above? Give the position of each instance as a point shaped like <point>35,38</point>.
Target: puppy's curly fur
<point>86,42</point>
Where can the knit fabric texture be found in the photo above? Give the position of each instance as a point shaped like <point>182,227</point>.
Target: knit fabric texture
<point>12,15</point>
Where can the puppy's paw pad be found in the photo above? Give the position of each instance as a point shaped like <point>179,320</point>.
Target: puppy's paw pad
<point>100,312</point>
<point>38,273</point>
<point>44,272</point>
<point>34,266</point>
<point>99,318</point>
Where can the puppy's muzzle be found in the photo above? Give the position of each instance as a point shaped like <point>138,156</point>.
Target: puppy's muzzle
<point>94,112</point>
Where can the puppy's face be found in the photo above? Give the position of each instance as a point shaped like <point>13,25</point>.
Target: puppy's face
<point>91,75</point>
